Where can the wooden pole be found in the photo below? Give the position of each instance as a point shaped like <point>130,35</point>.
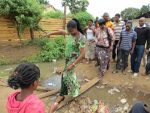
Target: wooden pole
<point>65,11</point>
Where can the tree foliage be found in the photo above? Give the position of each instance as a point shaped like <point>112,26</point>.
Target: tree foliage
<point>145,9</point>
<point>76,6</point>
<point>24,13</point>
<point>130,13</point>
<point>83,18</point>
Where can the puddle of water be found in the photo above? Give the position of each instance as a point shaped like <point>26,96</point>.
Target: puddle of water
<point>54,82</point>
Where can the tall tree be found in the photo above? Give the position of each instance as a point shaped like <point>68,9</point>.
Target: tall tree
<point>130,13</point>
<point>145,9</point>
<point>76,6</point>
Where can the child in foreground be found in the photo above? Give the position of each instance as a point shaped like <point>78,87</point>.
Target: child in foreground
<point>25,77</point>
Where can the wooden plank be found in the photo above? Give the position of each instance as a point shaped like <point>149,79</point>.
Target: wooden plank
<point>84,88</point>
<point>49,93</point>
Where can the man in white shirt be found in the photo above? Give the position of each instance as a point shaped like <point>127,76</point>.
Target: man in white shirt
<point>118,27</point>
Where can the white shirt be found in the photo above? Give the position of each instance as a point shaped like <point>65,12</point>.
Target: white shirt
<point>90,34</point>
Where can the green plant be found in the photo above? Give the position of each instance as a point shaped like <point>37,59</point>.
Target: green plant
<point>4,61</point>
<point>83,18</point>
<point>54,49</point>
<point>37,41</point>
<point>50,49</point>
<point>54,14</point>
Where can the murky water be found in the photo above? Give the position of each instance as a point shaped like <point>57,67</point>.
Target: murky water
<point>111,95</point>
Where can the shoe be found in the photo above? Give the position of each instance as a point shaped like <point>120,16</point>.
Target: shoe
<point>124,72</point>
<point>130,71</point>
<point>135,74</point>
<point>96,64</point>
<point>115,71</point>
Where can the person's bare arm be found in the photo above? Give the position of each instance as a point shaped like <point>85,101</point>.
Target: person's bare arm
<point>82,55</point>
<point>60,32</point>
<point>133,46</point>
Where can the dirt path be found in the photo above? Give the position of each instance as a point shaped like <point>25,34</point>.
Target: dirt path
<point>14,52</point>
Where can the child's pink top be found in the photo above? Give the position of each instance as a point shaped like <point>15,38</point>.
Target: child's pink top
<point>32,104</point>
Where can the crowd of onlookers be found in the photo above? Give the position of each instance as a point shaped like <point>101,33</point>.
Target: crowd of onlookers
<point>122,40</point>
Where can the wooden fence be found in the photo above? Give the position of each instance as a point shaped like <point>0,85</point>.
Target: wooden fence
<point>8,30</point>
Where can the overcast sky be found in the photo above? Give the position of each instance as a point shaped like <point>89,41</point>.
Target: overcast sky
<point>98,7</point>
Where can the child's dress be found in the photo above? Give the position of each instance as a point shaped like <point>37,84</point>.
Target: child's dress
<point>32,104</point>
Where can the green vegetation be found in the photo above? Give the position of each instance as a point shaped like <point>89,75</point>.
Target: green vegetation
<point>132,13</point>
<point>76,6</point>
<point>54,14</point>
<point>50,49</point>
<point>83,18</point>
<point>4,61</point>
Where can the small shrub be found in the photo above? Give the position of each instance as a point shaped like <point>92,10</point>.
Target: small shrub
<point>54,49</point>
<point>50,49</point>
<point>54,14</point>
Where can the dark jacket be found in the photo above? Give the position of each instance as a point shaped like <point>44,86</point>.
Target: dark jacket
<point>143,36</point>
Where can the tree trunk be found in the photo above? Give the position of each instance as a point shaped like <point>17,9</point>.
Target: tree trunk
<point>19,33</point>
<point>32,34</point>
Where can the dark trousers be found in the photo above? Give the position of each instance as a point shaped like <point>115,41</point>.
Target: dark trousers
<point>136,58</point>
<point>148,64</point>
<point>122,59</point>
<point>115,51</point>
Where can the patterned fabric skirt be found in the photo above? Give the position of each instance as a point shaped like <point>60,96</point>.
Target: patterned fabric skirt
<point>103,57</point>
<point>90,50</point>
<point>69,82</point>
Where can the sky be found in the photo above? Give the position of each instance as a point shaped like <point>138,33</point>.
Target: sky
<point>98,7</point>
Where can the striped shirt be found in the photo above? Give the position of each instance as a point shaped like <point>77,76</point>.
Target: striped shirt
<point>127,37</point>
<point>118,27</point>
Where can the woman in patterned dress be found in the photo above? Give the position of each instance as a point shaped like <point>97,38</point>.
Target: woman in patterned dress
<point>104,44</point>
<point>74,53</point>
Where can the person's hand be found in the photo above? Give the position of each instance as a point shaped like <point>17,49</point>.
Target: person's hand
<point>70,67</point>
<point>47,35</point>
<point>118,46</point>
<point>146,51</point>
<point>59,71</point>
<point>110,48</point>
<point>147,109</point>
<point>131,52</point>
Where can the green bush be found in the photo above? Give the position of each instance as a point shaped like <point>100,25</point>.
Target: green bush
<point>83,18</point>
<point>54,14</point>
<point>50,49</point>
<point>53,49</point>
<point>38,41</point>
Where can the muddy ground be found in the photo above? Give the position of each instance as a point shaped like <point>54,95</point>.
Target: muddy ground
<point>129,88</point>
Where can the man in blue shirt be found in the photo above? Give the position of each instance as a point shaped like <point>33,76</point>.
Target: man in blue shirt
<point>126,46</point>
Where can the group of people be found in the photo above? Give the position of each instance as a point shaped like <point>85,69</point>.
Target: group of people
<point>122,39</point>
<point>95,42</point>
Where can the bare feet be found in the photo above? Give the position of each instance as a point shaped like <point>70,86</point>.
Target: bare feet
<point>53,107</point>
